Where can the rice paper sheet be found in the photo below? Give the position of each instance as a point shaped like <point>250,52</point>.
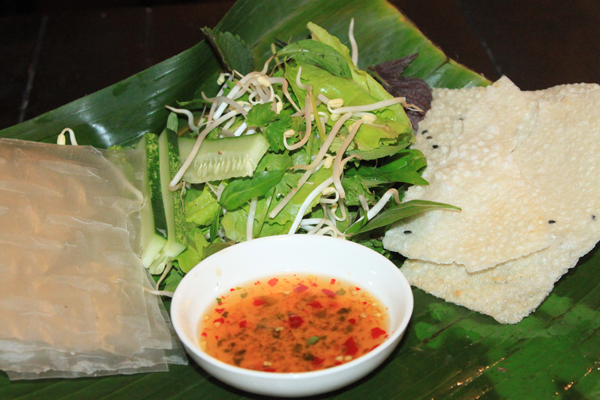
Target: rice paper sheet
<point>558,158</point>
<point>468,142</point>
<point>71,299</point>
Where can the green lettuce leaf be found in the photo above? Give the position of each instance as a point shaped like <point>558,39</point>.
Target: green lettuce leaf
<point>274,131</point>
<point>200,206</point>
<point>291,209</point>
<point>383,132</point>
<point>319,54</point>
<point>362,78</point>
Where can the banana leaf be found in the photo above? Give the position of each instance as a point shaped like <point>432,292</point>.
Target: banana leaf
<point>447,351</point>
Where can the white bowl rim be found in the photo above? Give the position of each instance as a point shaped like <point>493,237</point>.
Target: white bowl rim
<point>297,375</point>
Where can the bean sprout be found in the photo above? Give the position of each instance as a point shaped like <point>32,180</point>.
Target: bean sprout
<point>189,115</point>
<point>61,140</point>
<point>337,164</point>
<point>353,44</point>
<point>375,106</point>
<point>304,207</point>
<point>250,222</point>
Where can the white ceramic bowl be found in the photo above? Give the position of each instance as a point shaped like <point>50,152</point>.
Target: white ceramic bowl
<point>277,255</point>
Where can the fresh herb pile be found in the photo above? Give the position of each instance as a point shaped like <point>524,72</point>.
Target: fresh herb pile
<point>309,144</point>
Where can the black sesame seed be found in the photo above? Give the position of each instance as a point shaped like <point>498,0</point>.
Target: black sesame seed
<point>460,118</point>
<point>551,221</point>
<point>407,232</point>
<point>429,137</point>
<point>424,132</point>
<point>435,146</point>
<point>593,217</point>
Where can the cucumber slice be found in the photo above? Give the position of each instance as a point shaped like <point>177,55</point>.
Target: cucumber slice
<point>152,240</point>
<point>149,143</point>
<point>225,158</point>
<point>169,164</point>
<point>169,151</point>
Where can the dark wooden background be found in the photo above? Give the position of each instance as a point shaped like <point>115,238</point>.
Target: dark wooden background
<point>55,52</point>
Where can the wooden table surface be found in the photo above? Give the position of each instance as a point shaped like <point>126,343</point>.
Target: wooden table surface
<point>50,60</point>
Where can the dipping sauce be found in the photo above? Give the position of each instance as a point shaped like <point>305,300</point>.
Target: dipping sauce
<point>293,324</point>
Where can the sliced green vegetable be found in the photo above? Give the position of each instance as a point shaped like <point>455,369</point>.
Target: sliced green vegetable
<point>223,158</point>
<point>149,142</point>
<point>153,238</point>
<point>168,151</point>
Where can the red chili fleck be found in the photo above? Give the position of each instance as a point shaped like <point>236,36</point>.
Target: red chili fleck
<point>219,310</point>
<point>273,281</point>
<point>374,347</point>
<point>243,324</point>
<point>386,336</point>
<point>337,363</point>
<point>351,348</point>
<point>216,337</point>
<point>258,302</point>
<point>204,334</point>
<point>315,304</point>
<point>376,332</point>
<point>300,288</point>
<point>232,290</point>
<point>332,281</point>
<point>313,284</point>
<point>352,321</point>
<point>357,288</point>
<point>328,293</point>
<point>269,369</point>
<point>221,320</point>
<point>364,302</point>
<point>220,152</point>
<point>295,321</point>
<point>318,361</point>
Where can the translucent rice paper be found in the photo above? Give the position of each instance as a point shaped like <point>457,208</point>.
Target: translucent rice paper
<point>71,295</point>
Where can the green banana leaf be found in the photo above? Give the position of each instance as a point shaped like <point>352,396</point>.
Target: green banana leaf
<point>448,351</point>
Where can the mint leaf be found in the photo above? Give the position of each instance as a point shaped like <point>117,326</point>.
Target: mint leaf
<point>274,132</point>
<point>260,115</point>
<point>234,52</point>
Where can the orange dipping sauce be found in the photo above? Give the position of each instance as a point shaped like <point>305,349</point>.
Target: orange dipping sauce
<point>293,324</point>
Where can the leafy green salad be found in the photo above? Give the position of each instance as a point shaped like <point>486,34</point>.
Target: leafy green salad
<point>308,144</point>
